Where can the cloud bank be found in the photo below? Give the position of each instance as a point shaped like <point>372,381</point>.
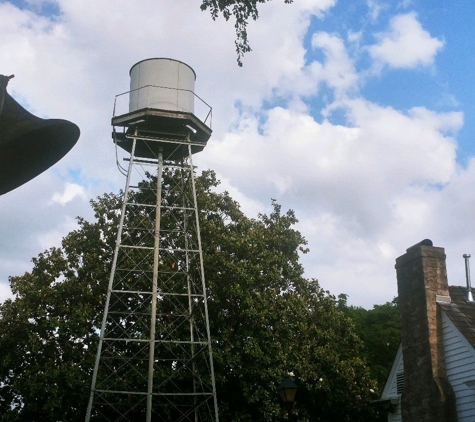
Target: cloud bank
<point>366,180</point>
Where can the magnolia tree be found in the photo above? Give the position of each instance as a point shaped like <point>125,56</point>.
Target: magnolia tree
<point>266,321</point>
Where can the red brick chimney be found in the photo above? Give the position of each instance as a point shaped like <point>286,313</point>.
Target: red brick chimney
<point>422,280</point>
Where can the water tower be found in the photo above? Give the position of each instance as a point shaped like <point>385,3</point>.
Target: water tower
<point>154,361</point>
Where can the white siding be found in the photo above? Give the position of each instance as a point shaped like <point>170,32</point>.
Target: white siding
<point>390,389</point>
<point>460,364</point>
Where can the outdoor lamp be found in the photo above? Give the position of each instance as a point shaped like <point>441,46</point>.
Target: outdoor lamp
<point>287,390</point>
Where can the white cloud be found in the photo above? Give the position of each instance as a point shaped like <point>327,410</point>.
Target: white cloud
<point>375,7</point>
<point>54,236</point>
<point>250,207</point>
<point>72,66</point>
<point>407,44</point>
<point>338,71</point>
<point>70,192</point>
<point>362,193</point>
<point>363,190</point>
<point>5,292</point>
<point>406,148</point>
<point>326,167</point>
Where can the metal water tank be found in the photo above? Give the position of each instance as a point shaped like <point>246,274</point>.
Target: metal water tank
<point>163,84</point>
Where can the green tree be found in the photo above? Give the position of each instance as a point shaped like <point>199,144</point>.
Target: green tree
<point>380,331</point>
<point>266,320</point>
<point>241,10</point>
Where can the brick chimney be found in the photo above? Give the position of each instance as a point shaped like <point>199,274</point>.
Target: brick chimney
<point>422,280</point>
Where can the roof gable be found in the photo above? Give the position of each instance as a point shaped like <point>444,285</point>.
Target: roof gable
<point>461,312</point>
<point>390,388</point>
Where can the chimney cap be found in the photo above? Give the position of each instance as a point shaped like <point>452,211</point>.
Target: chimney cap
<point>425,242</point>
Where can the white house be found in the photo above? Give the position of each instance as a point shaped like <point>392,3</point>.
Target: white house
<point>433,375</point>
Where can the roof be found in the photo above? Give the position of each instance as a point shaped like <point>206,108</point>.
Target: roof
<point>461,312</point>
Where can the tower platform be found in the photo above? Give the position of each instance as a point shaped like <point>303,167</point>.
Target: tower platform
<point>165,130</point>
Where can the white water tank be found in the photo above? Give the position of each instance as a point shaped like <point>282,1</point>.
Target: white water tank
<point>163,84</point>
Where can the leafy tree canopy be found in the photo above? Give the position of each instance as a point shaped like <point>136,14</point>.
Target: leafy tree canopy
<point>241,10</point>
<point>266,321</point>
<point>380,330</point>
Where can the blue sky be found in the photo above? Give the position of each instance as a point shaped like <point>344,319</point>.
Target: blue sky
<point>360,116</point>
<point>445,85</point>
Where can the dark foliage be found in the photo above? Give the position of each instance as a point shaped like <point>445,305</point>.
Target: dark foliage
<point>266,321</point>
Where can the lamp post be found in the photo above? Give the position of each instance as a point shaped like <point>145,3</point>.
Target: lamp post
<point>287,390</point>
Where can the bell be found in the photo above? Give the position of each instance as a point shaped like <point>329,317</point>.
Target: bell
<point>28,144</point>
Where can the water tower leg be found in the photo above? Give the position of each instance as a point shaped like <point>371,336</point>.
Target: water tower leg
<point>156,257</point>
<point>154,360</point>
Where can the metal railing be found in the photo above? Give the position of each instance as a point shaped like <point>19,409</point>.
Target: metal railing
<point>201,109</point>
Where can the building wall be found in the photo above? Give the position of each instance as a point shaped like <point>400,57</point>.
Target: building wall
<point>460,366</point>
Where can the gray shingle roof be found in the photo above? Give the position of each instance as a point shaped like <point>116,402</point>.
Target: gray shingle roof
<point>461,312</point>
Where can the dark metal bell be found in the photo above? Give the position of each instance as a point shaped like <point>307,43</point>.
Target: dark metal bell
<point>28,144</point>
